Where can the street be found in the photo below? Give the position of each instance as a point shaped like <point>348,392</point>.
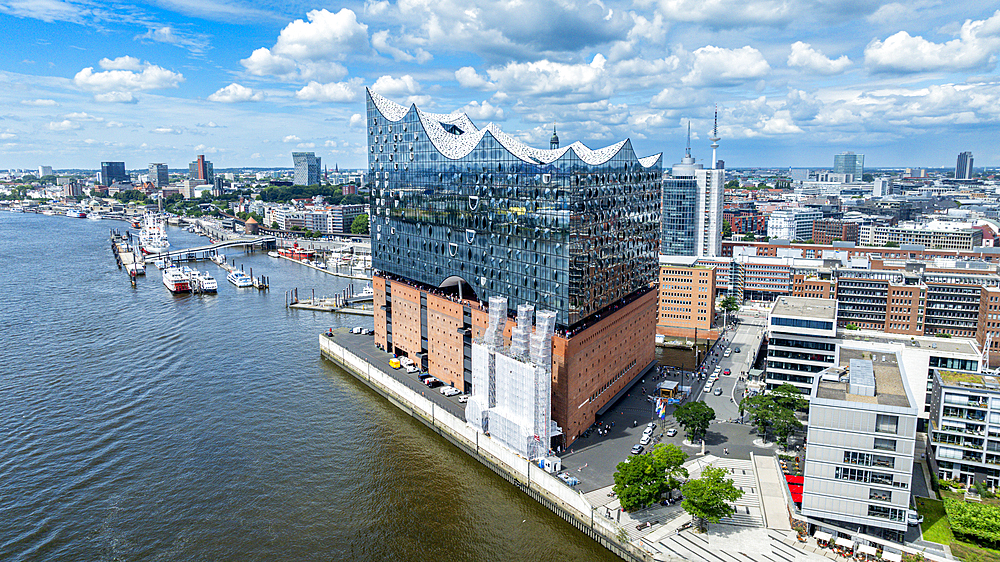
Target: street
<point>747,336</point>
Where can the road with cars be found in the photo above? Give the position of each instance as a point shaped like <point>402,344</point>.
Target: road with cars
<point>746,336</point>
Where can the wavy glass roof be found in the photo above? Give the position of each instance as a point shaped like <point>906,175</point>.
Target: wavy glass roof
<point>456,146</point>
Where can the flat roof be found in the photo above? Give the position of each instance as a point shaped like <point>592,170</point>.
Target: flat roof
<point>968,380</point>
<point>825,309</point>
<point>965,346</point>
<point>889,387</point>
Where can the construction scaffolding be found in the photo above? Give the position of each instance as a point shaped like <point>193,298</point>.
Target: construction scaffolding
<point>512,388</point>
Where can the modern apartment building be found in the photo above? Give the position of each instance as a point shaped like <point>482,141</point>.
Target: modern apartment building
<point>828,231</point>
<point>342,217</point>
<point>461,214</point>
<point>964,437</point>
<point>849,163</point>
<point>159,175</point>
<point>802,341</point>
<point>862,431</point>
<point>691,215</point>
<point>686,299</point>
<point>202,170</point>
<point>929,236</point>
<point>307,168</point>
<point>792,224</point>
<point>963,168</point>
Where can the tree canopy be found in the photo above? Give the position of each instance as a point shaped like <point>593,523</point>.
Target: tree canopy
<point>641,480</point>
<point>707,499</point>
<point>776,411</point>
<point>360,225</point>
<point>729,303</point>
<point>727,229</point>
<point>695,418</point>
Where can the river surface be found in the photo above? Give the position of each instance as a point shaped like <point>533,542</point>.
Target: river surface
<point>140,425</point>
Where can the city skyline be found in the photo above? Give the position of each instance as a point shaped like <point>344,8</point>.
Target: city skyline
<point>159,82</point>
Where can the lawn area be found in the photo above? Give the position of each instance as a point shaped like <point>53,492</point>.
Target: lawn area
<point>935,526</point>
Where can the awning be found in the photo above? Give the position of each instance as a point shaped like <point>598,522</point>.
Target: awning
<point>821,536</point>
<point>891,556</point>
<point>792,479</point>
<point>846,543</point>
<point>866,549</point>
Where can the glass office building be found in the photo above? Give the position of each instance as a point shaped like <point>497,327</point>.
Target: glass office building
<point>475,211</point>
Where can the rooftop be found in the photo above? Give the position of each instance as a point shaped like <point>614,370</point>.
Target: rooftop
<point>824,309</point>
<point>974,380</point>
<point>889,387</point>
<point>965,346</point>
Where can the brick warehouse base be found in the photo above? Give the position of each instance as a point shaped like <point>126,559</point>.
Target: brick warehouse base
<point>589,366</point>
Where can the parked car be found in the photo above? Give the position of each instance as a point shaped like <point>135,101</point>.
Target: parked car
<point>914,518</point>
<point>637,450</point>
<point>708,387</point>
<point>737,350</point>
<point>453,392</point>
<point>412,369</point>
<point>651,425</point>
<point>463,399</point>
<point>717,392</point>
<point>671,432</point>
<point>645,439</point>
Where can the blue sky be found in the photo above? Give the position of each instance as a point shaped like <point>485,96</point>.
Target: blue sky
<point>906,83</point>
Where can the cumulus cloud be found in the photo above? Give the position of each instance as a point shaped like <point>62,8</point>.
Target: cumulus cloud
<point>234,93</point>
<point>64,125</point>
<point>124,76</point>
<point>468,78</point>
<point>83,116</point>
<point>114,124</point>
<point>40,102</point>
<point>679,98</point>
<point>804,56</point>
<point>730,13</point>
<point>484,111</point>
<point>116,97</point>
<point>357,121</point>
<point>975,48</point>
<point>389,86</point>
<point>332,92</point>
<point>121,63</point>
<point>167,131</point>
<point>291,138</point>
<point>716,66</point>
<point>580,82</point>
<point>308,49</point>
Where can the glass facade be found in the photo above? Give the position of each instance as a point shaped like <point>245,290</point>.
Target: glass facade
<point>570,230</point>
<point>679,224</point>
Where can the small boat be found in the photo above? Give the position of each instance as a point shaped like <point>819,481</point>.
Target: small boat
<point>239,279</point>
<point>95,216</point>
<point>273,254</point>
<point>367,291</point>
<point>204,282</point>
<point>76,214</point>
<point>176,281</point>
<point>319,264</point>
<point>219,259</point>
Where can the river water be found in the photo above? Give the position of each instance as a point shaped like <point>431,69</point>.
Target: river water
<point>140,425</point>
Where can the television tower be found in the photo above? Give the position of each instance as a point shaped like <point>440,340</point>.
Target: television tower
<point>714,138</point>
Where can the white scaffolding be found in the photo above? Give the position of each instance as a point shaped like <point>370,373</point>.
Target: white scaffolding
<point>512,389</point>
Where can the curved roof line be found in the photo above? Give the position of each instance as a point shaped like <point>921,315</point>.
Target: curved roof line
<point>456,146</point>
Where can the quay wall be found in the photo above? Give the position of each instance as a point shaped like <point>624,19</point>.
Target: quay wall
<point>541,486</point>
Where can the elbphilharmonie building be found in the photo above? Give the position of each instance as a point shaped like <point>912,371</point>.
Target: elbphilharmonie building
<point>461,213</point>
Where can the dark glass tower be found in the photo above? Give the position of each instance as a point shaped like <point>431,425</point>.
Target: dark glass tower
<point>569,229</point>
<point>112,172</point>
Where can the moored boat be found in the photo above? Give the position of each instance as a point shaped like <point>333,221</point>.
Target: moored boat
<point>239,279</point>
<point>176,281</point>
<point>273,254</point>
<point>153,237</point>
<point>76,214</point>
<point>203,282</point>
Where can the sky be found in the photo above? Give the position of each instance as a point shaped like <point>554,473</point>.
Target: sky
<point>908,84</point>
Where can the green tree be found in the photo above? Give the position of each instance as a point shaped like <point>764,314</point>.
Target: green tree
<point>274,225</point>
<point>707,499</point>
<point>775,411</point>
<point>749,237</point>
<point>732,184</point>
<point>352,199</point>
<point>643,479</point>
<point>360,225</point>
<point>695,418</point>
<point>729,303</point>
<point>867,178</point>
<point>892,244</point>
<point>131,195</point>
<point>727,229</point>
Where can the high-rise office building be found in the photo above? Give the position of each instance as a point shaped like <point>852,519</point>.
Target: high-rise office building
<point>113,172</point>
<point>44,171</point>
<point>158,175</point>
<point>963,169</point>
<point>202,169</point>
<point>461,214</point>
<point>691,213</point>
<point>849,163</point>
<point>307,168</point>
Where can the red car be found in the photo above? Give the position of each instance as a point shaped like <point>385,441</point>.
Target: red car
<point>727,372</point>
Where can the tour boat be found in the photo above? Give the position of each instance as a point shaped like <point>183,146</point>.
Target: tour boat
<point>297,253</point>
<point>204,282</point>
<point>273,254</point>
<point>76,214</point>
<point>176,281</point>
<point>95,216</point>
<point>239,279</point>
